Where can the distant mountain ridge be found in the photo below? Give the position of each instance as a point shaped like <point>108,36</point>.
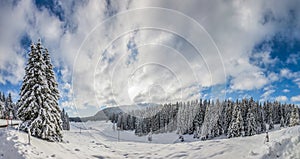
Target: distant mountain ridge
<point>105,113</point>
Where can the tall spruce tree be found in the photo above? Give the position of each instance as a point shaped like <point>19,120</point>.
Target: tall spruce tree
<point>251,124</point>
<point>38,108</point>
<point>282,123</point>
<point>3,97</point>
<point>50,76</point>
<point>294,118</point>
<point>211,126</point>
<point>236,126</point>
<point>1,108</point>
<point>53,93</point>
<point>9,107</point>
<point>65,120</point>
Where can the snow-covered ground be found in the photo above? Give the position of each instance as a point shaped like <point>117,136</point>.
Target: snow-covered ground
<point>98,140</point>
<point>4,122</point>
<point>7,146</point>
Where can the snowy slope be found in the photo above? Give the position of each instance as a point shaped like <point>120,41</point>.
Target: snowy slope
<point>4,122</point>
<point>7,149</point>
<point>98,140</point>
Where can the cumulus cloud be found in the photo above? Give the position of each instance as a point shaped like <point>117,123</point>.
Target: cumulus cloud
<point>295,98</point>
<point>273,77</point>
<point>294,76</point>
<point>286,73</point>
<point>281,98</point>
<point>249,81</point>
<point>264,59</point>
<point>174,48</point>
<point>267,93</point>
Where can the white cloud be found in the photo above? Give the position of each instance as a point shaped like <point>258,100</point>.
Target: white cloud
<point>286,73</point>
<point>286,90</point>
<point>281,98</point>
<point>294,76</point>
<point>293,59</point>
<point>267,94</point>
<point>297,81</point>
<point>295,98</point>
<point>264,59</point>
<point>249,81</point>
<point>273,77</point>
<point>236,27</point>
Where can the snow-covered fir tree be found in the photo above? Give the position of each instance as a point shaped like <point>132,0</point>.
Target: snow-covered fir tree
<point>294,118</point>
<point>227,114</point>
<point>198,120</point>
<point>8,105</point>
<point>8,108</point>
<point>3,97</point>
<point>181,127</point>
<point>251,124</point>
<point>211,126</point>
<point>51,80</point>
<point>263,127</point>
<point>38,108</point>
<point>139,126</point>
<point>236,126</point>
<point>1,108</point>
<point>271,123</point>
<point>65,120</point>
<point>282,122</point>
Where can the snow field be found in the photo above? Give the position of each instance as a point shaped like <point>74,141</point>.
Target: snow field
<point>98,140</point>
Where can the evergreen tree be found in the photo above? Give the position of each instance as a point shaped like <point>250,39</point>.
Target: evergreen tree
<point>51,81</point>
<point>1,109</point>
<point>271,123</point>
<point>251,124</point>
<point>294,119</point>
<point>9,107</point>
<point>227,115</point>
<point>28,94</point>
<point>3,97</point>
<point>65,120</point>
<point>139,126</point>
<point>263,127</point>
<point>131,120</point>
<point>120,124</point>
<point>211,126</point>
<point>53,87</point>
<point>38,108</point>
<point>181,127</point>
<point>282,123</point>
<point>198,120</point>
<point>236,126</point>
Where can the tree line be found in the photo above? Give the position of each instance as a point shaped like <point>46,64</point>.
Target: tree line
<point>8,108</point>
<point>206,119</point>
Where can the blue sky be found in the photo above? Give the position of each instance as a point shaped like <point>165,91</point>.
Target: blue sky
<point>110,53</point>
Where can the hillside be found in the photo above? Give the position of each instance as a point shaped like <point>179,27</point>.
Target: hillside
<point>106,112</point>
<point>98,140</point>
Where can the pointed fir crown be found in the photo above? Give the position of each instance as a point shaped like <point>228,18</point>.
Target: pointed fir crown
<point>50,75</point>
<point>39,109</point>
